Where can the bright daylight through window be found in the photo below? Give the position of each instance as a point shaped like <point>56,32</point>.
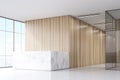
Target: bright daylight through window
<point>11,39</point>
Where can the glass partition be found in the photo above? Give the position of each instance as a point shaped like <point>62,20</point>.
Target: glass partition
<point>112,39</point>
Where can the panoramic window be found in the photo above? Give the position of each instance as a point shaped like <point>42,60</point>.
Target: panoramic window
<point>11,39</point>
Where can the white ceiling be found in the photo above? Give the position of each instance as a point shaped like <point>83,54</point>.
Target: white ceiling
<point>33,9</point>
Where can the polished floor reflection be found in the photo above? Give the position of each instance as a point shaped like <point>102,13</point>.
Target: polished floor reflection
<point>88,73</point>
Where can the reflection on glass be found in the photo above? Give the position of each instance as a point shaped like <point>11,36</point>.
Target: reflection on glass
<point>9,43</point>
<point>18,41</point>
<point>8,60</point>
<point>9,25</point>
<point>23,42</point>
<point>23,27</point>
<point>2,49</point>
<point>2,24</point>
<point>2,61</point>
<point>110,40</point>
<point>2,43</point>
<point>18,27</point>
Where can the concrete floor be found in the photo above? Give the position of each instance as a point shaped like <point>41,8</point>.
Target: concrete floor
<point>87,73</point>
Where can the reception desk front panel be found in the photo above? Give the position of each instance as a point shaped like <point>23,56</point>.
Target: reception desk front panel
<point>42,60</point>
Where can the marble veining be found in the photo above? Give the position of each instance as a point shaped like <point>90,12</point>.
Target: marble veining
<point>41,60</point>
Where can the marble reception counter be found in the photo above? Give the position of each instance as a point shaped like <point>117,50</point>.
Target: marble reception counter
<point>41,60</point>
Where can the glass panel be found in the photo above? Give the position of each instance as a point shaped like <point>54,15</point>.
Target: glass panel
<point>9,25</point>
<point>109,62</point>
<point>23,27</point>
<point>2,49</point>
<point>6,40</point>
<point>18,27</point>
<point>2,24</point>
<point>9,60</point>
<point>23,42</point>
<point>2,43</point>
<point>109,21</point>
<point>110,50</point>
<point>9,43</point>
<point>118,48</point>
<point>110,40</point>
<point>18,41</point>
<point>2,61</point>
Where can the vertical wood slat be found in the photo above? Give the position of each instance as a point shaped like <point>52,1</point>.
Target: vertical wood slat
<point>68,34</point>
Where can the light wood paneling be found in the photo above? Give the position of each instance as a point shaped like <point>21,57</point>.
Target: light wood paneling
<point>68,34</point>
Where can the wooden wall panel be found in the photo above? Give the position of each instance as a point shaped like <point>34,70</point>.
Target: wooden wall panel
<point>91,46</point>
<point>47,34</point>
<point>68,34</point>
